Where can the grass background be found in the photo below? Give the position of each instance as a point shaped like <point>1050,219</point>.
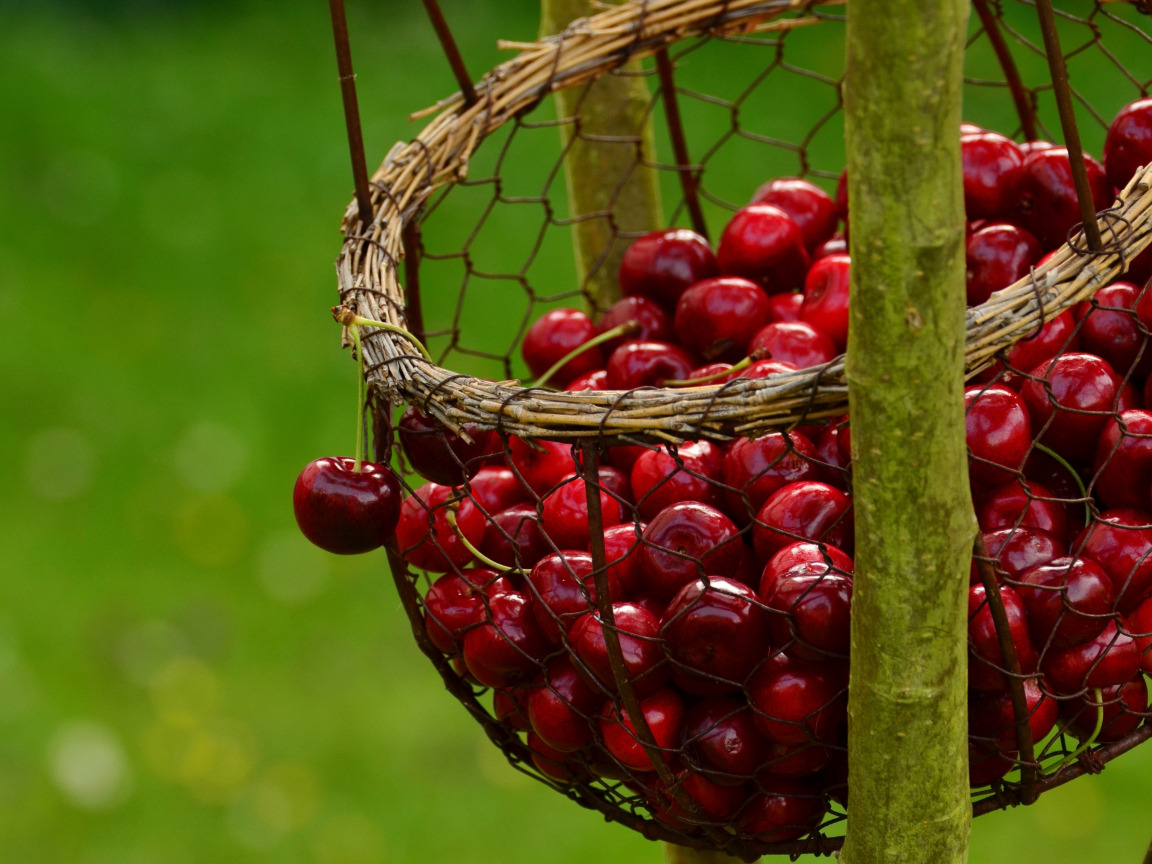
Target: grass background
<point>182,678</point>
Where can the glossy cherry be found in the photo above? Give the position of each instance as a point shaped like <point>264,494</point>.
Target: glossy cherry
<point>1128,144</point>
<point>512,537</point>
<point>552,336</point>
<point>438,454</point>
<point>1110,658</point>
<point>1120,710</point>
<point>826,289</point>
<point>721,739</point>
<point>1123,465</point>
<point>1111,330</point>
<point>1069,601</point>
<point>754,468</point>
<point>541,465</point>
<point>717,318</point>
<point>794,702</point>
<point>663,712</point>
<point>346,511</point>
<point>425,536</point>
<point>986,659</point>
<point>991,165</point>
<point>1021,503</point>
<point>795,342</point>
<point>1046,202</point>
<point>811,603</point>
<point>662,265</point>
<point>783,809</point>
<point>1070,400</point>
<point>998,432</point>
<point>685,541</point>
<point>1120,541</point>
<point>809,206</point>
<point>666,476</point>
<point>562,589</point>
<point>992,718</point>
<point>762,243</point>
<point>506,646</point>
<point>565,513</point>
<point>638,632</point>
<point>562,707</point>
<point>495,488</point>
<point>806,510</point>
<point>647,364</point>
<point>996,256</point>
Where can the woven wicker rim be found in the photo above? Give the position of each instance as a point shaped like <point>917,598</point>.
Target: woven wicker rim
<point>367,268</point>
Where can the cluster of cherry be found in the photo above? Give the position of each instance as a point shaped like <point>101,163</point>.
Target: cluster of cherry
<point>729,569</point>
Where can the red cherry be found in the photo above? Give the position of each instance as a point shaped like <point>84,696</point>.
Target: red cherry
<point>452,604</point>
<point>720,738</point>
<point>783,810</point>
<point>666,476</point>
<point>1140,627</point>
<point>507,645</point>
<point>1111,330</point>
<point>987,765</point>
<point>562,589</point>
<point>565,513</point>
<point>796,702</point>
<point>1021,503</point>
<point>662,265</point>
<point>992,718</point>
<point>991,165</point>
<point>807,510</point>
<point>826,289</point>
<point>996,256</point>
<point>717,318</point>
<point>512,537</point>
<point>986,659</point>
<point>556,765</point>
<point>663,712</point>
<point>804,553</point>
<point>809,206</point>
<point>837,244</point>
<point>552,336</point>
<point>786,306</point>
<point>998,432</point>
<point>685,541</point>
<point>561,707</point>
<point>842,195</point>
<point>495,488</point>
<point>1120,710</point>
<point>346,511</point>
<point>651,318</point>
<point>1123,466</point>
<point>1070,400</point>
<point>1046,202</point>
<point>762,243</point>
<point>595,380</point>
<point>767,368</point>
<point>1056,337</point>
<point>638,633</point>
<point>622,552</point>
<point>1069,601</point>
<point>508,707</point>
<point>1128,144</point>
<point>712,801</point>
<point>438,454</point>
<point>795,342</point>
<point>647,364</point>
<point>754,468</point>
<point>541,465</point>
<point>813,603</point>
<point>1014,550</point>
<point>425,537</point>
<point>1110,658</point>
<point>715,632</point>
<point>1120,541</point>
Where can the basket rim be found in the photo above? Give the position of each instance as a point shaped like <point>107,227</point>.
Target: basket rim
<point>368,264</point>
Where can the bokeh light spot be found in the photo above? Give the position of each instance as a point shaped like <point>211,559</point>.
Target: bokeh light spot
<point>284,799</point>
<point>147,648</point>
<point>59,464</point>
<point>88,764</point>
<point>212,530</point>
<point>185,692</point>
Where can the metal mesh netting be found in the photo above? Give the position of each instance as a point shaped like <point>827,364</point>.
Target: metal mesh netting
<point>698,574</point>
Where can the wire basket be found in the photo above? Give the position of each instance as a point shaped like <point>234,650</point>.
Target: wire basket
<point>471,227</point>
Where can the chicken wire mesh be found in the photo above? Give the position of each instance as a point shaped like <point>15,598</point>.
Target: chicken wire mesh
<point>581,560</point>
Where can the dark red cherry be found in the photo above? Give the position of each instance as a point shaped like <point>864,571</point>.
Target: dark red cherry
<point>795,342</point>
<point>565,513</point>
<point>1110,658</point>
<point>666,476</point>
<point>595,380</point>
<point>1021,503</point>
<point>661,265</point>
<point>767,368</point>
<point>762,243</point>
<point>1119,711</point>
<point>663,712</point>
<point>552,336</point>
<point>562,589</point>
<point>754,468</point>
<point>811,208</point>
<point>562,708</point>
<point>786,306</point>
<point>343,510</point>
<point>1139,626</point>
<point>1056,337</point>
<point>1120,541</point>
<point>1046,202</point>
<point>998,432</point>
<point>717,318</point>
<point>806,510</point>
<point>495,488</point>
<point>783,809</point>
<point>986,663</point>
<point>647,364</point>
<point>826,298</point>
<point>508,706</point>
<point>425,537</point>
<point>812,603</point>
<point>1069,601</point>
<point>638,632</point>
<point>622,552</point>
<point>685,541</point>
<point>512,537</point>
<point>992,719</point>
<point>507,645</point>
<point>438,454</point>
<point>987,764</point>
<point>1070,400</point>
<point>554,764</point>
<point>991,165</point>
<point>1014,550</point>
<point>649,316</point>
<point>1128,144</point>
<point>541,465</point>
<point>1112,331</point>
<point>996,256</point>
<point>1123,466</point>
<point>803,553</point>
<point>794,702</point>
<point>721,739</point>
<point>452,604</point>
<point>715,633</point>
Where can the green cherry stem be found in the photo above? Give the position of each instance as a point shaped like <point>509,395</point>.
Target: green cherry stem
<point>359,397</point>
<point>1079,483</point>
<point>738,366</point>
<point>1090,740</point>
<point>350,319</point>
<point>628,328</point>
<point>450,514</point>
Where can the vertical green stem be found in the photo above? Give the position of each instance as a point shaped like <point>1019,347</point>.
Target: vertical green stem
<point>604,177</point>
<point>355,330</point>
<point>907,736</point>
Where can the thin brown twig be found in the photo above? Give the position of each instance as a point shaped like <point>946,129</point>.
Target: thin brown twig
<point>351,111</point>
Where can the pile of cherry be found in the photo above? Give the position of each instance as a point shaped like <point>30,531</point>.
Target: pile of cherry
<point>730,564</point>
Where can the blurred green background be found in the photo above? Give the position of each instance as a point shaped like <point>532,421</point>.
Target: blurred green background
<point>182,678</point>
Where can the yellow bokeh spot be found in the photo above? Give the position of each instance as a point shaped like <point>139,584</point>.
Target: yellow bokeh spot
<point>287,797</point>
<point>185,692</point>
<point>212,762</point>
<point>212,530</point>
<point>349,838</point>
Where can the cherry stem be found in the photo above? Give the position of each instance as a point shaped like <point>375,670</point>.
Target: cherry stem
<point>739,366</point>
<point>628,328</point>
<point>1076,477</point>
<point>450,515</point>
<point>1090,740</point>
<point>349,319</point>
<point>359,397</point>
